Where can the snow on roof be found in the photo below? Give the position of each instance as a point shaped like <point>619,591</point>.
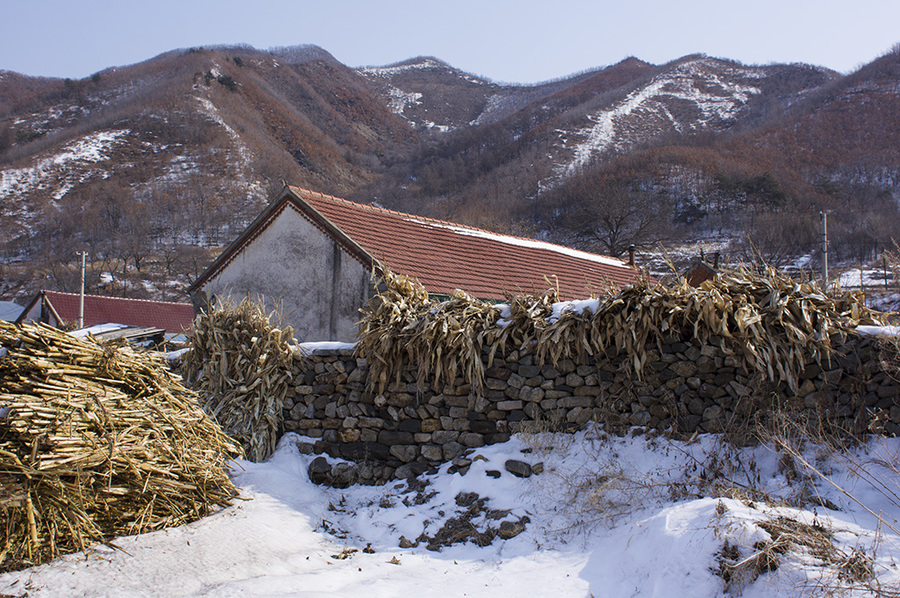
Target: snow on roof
<point>169,316</point>
<point>97,329</point>
<point>531,243</point>
<point>442,256</point>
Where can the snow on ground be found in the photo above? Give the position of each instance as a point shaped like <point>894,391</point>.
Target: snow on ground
<point>869,278</point>
<point>606,516</point>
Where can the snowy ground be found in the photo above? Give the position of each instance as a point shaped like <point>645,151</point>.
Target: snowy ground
<point>606,516</point>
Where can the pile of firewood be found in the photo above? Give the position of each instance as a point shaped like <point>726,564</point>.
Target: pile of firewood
<point>97,442</point>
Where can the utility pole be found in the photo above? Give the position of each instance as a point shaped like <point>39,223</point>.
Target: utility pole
<point>81,296</point>
<point>825,247</point>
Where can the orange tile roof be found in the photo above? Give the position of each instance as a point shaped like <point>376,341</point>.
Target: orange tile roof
<point>444,256</point>
<point>441,255</point>
<point>174,318</point>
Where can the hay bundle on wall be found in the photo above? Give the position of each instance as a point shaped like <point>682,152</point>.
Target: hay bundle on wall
<point>401,325</point>
<point>241,365</point>
<point>97,442</point>
<point>773,324</point>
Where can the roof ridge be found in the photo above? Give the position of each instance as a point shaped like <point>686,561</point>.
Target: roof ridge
<point>427,219</point>
<point>118,298</point>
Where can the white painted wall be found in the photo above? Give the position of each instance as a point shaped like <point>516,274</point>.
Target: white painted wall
<point>295,266</point>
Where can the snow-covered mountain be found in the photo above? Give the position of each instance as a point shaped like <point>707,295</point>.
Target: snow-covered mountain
<point>184,149</point>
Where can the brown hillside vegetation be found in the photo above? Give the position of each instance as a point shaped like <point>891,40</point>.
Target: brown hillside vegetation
<point>153,167</point>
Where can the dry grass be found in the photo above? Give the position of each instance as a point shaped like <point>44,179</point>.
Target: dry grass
<point>241,365</point>
<point>97,442</point>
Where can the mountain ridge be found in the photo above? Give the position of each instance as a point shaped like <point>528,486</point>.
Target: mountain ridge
<point>203,137</point>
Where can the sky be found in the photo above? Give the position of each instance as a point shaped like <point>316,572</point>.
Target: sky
<point>522,41</point>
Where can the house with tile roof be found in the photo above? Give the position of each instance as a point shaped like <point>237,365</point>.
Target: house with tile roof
<point>61,310</point>
<point>313,256</point>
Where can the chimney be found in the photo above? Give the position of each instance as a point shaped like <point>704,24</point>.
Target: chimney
<point>631,255</point>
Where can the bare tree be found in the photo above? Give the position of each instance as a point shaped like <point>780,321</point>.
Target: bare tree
<point>613,218</point>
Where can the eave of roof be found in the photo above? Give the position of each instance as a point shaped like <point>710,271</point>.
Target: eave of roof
<point>168,315</point>
<point>441,255</point>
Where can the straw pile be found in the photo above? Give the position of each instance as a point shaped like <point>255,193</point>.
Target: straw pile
<point>241,366</point>
<point>97,442</point>
<point>775,325</point>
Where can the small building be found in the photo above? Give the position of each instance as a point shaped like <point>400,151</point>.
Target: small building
<point>313,256</point>
<point>700,271</point>
<point>61,310</point>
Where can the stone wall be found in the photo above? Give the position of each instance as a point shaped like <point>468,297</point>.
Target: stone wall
<point>685,389</point>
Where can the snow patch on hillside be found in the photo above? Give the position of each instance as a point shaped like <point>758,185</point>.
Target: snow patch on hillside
<point>243,152</point>
<point>400,99</point>
<point>717,97</point>
<point>67,166</point>
<point>425,64</point>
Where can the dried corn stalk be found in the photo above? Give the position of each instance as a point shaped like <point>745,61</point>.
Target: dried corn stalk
<point>241,364</point>
<point>773,323</point>
<point>97,442</point>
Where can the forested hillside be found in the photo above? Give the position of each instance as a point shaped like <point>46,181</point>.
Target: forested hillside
<point>152,168</point>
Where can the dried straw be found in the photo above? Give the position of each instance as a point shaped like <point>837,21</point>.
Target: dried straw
<point>772,323</point>
<point>97,442</point>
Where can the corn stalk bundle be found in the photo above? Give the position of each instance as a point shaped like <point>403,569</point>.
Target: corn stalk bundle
<point>241,365</point>
<point>772,323</point>
<point>402,325</point>
<point>97,442</point>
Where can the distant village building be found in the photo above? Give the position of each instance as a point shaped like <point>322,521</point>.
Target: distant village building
<point>700,271</point>
<point>314,256</point>
<point>61,310</point>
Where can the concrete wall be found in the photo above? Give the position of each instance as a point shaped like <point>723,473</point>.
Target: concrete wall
<point>686,388</point>
<point>295,266</point>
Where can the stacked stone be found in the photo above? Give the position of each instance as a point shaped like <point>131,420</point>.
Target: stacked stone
<point>685,388</point>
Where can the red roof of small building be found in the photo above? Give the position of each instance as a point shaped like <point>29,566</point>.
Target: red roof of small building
<point>174,318</point>
<point>444,256</point>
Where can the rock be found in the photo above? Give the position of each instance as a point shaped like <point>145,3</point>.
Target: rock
<point>464,499</point>
<point>405,452</point>
<point>319,471</point>
<point>511,529</point>
<point>712,412</point>
<point>683,369</point>
<point>518,468</point>
<point>432,452</point>
<point>453,450</point>
<point>537,468</point>
<point>492,473</point>
<point>344,475</point>
<point>471,440</point>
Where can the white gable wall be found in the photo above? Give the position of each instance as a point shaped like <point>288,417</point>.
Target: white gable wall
<point>294,266</point>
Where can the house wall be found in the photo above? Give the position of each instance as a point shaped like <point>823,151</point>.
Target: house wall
<point>295,267</point>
